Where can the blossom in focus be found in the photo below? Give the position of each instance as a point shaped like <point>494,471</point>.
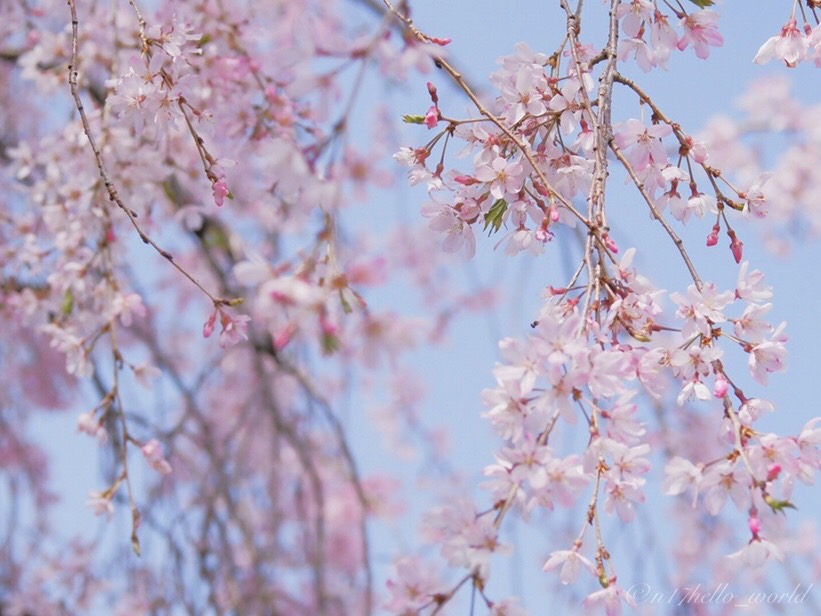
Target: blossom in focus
<point>790,46</point>
<point>220,190</point>
<point>701,29</point>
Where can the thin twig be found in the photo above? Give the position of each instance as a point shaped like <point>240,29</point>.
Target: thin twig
<point>113,194</point>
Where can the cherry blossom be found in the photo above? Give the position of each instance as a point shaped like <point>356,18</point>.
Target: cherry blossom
<point>611,598</point>
<point>503,176</point>
<point>634,14</point>
<point>682,475</point>
<point>702,308</point>
<point>756,553</point>
<point>701,30</point>
<point>571,563</point>
<point>458,232</point>
<point>769,355</point>
<point>644,143</point>
<point>791,46</point>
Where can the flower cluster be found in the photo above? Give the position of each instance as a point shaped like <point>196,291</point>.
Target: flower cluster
<point>650,38</point>
<point>792,45</point>
<point>605,337</point>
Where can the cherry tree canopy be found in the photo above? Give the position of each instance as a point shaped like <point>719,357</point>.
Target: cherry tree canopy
<point>207,264</point>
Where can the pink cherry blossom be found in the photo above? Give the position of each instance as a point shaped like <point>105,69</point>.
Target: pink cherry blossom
<point>644,142</point>
<point>234,329</point>
<point>724,480</point>
<point>701,29</point>
<point>220,190</point>
<point>769,355</point>
<point>610,598</point>
<point>432,116</point>
<point>682,476</point>
<point>458,234</point>
<point>791,46</point>
<point>663,37</point>
<point>701,308</point>
<point>412,587</point>
<point>634,14</point>
<point>571,563</point>
<point>637,49</point>
<point>504,177</point>
<point>756,553</point>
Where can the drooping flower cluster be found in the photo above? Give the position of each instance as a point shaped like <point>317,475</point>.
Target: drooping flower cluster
<point>605,337</point>
<point>650,38</point>
<point>792,45</point>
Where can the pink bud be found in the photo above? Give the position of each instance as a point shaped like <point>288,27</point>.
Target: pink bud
<point>434,96</point>
<point>440,41</point>
<point>432,117</point>
<point>328,327</point>
<point>773,472</point>
<point>465,180</point>
<point>736,246</point>
<point>712,239</point>
<point>721,386</point>
<point>220,189</point>
<point>754,524</point>
<point>283,337</point>
<point>208,328</point>
<point>611,245</point>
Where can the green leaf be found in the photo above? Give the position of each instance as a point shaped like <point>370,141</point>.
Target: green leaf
<point>215,237</point>
<point>413,119</point>
<point>495,215</point>
<point>703,3</point>
<point>346,306</point>
<point>68,303</point>
<point>330,344</point>
<point>778,506</point>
